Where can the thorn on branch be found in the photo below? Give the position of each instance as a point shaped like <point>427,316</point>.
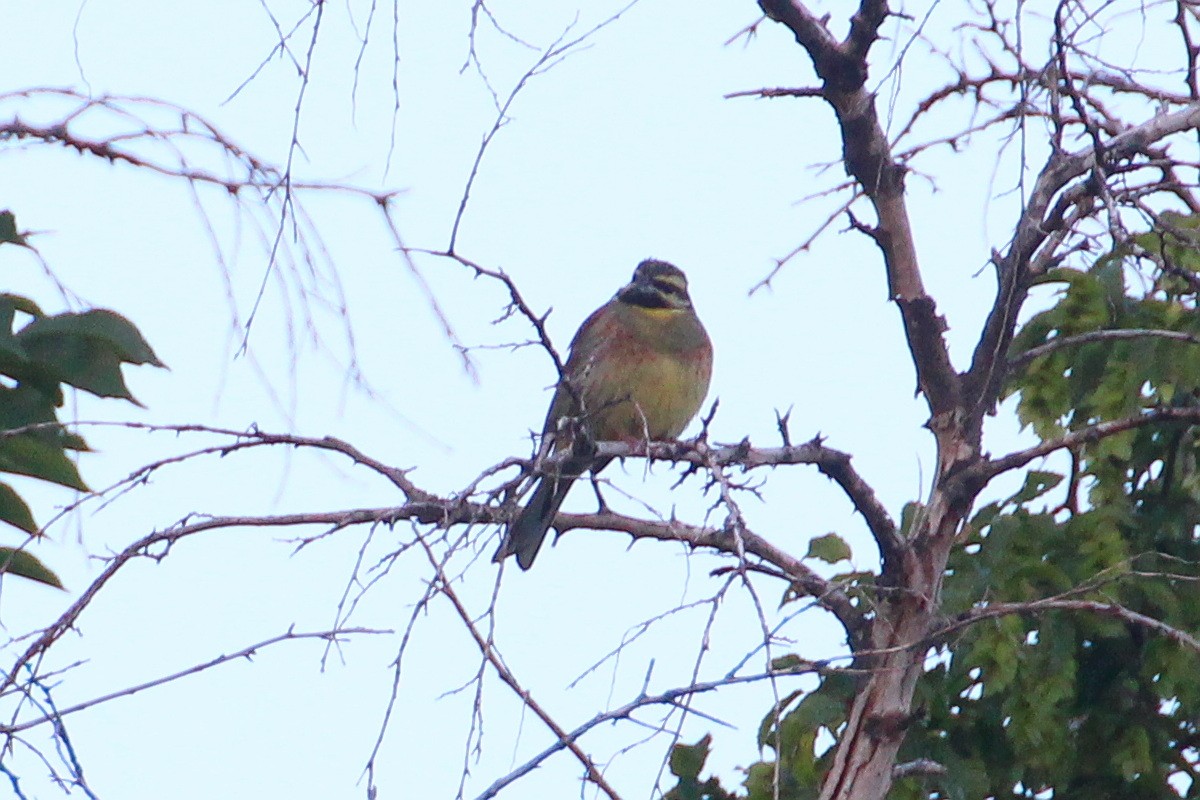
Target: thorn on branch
<point>804,91</point>
<point>781,422</point>
<point>750,31</point>
<point>870,230</point>
<point>707,419</point>
<point>746,567</point>
<point>743,448</point>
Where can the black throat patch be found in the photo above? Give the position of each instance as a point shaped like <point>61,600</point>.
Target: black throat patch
<point>637,294</point>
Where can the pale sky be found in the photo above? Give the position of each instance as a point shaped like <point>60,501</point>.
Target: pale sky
<point>625,150</point>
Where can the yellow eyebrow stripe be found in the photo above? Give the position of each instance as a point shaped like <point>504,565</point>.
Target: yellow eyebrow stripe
<point>661,311</point>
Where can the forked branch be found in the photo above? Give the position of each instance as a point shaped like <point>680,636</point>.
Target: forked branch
<point>1037,225</point>
<point>867,156</point>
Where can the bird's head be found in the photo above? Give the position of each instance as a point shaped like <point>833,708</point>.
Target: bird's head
<point>657,284</point>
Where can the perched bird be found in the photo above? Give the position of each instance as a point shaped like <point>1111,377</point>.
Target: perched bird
<point>638,370</point>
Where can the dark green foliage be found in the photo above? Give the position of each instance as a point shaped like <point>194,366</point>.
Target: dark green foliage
<point>829,548</point>
<point>8,230</point>
<point>686,762</point>
<point>1073,703</point>
<point>19,562</point>
<point>1087,705</point>
<point>39,354</point>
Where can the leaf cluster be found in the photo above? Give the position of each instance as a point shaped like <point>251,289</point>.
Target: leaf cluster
<point>40,354</point>
<point>1062,702</point>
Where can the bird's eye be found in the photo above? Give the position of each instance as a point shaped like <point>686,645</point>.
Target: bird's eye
<point>668,287</point>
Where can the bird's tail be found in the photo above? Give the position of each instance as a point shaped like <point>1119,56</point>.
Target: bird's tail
<point>527,532</point>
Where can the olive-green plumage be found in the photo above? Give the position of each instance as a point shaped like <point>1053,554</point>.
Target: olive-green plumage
<point>638,370</point>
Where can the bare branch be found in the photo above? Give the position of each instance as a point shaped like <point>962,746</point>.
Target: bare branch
<point>241,440</point>
<point>777,92</point>
<point>864,28</point>
<point>1032,229</point>
<point>167,139</point>
<point>142,549</point>
<point>256,174</point>
<point>245,652</point>
<point>488,650</point>
<point>842,68</point>
<point>986,470</point>
<point>808,582</point>
<point>671,697</point>
<point>1115,610</point>
<point>559,49</point>
<point>516,300</point>
<point>1123,334</point>
<point>836,465</point>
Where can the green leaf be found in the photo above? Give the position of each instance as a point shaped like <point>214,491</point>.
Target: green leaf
<point>766,729</point>
<point>787,663</point>
<point>26,565</point>
<point>15,511</point>
<point>829,548</point>
<point>687,760</point>
<point>26,455</point>
<point>24,305</point>
<point>1037,483</point>
<point>1133,752</point>
<point>24,406</point>
<point>8,230</point>
<point>11,351</point>
<point>120,335</point>
<point>86,350</point>
<point>83,363</point>
<point>815,711</point>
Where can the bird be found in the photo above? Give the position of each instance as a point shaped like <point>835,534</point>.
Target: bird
<point>638,369</point>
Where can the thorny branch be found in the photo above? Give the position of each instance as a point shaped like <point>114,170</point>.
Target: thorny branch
<point>173,141</point>
<point>671,697</point>
<point>426,508</point>
<point>1099,608</point>
<point>245,652</point>
<point>1037,225</point>
<point>989,469</point>
<point>1072,188</point>
<point>841,67</point>
<point>1116,334</point>
<point>1099,165</point>
<point>487,649</point>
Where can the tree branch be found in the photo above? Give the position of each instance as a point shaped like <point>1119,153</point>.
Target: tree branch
<point>986,470</point>
<point>1032,229</point>
<point>488,651</point>
<point>671,697</point>
<point>829,595</point>
<point>842,68</point>
<point>1122,334</point>
<point>425,508</point>
<point>836,465</point>
<point>141,548</point>
<point>245,652</point>
<point>809,91</point>
<point>993,610</point>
